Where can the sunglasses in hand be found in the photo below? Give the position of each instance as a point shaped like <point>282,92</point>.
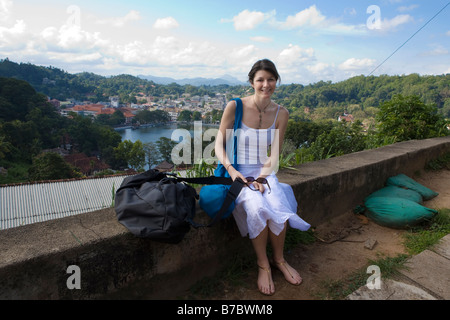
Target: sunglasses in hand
<point>250,180</point>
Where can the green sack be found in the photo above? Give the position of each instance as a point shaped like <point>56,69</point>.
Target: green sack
<point>404,181</point>
<point>396,212</point>
<point>397,192</point>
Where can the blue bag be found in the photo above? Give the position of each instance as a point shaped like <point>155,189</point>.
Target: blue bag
<point>213,196</point>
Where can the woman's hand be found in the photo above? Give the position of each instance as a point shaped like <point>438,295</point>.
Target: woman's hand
<point>258,186</point>
<point>235,174</point>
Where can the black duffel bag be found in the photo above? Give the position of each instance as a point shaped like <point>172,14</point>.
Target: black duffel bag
<point>162,207</point>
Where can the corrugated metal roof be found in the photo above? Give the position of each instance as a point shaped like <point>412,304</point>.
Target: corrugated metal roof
<point>36,202</point>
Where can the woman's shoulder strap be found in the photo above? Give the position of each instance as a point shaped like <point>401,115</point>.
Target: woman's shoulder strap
<point>238,114</point>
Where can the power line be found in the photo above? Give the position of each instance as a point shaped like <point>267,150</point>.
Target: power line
<point>409,38</point>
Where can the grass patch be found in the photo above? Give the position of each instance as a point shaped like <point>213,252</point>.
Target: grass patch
<point>429,233</point>
<point>443,162</point>
<point>416,240</point>
<point>339,289</point>
<point>295,237</point>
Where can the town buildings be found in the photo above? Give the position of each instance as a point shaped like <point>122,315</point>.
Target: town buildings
<point>204,105</point>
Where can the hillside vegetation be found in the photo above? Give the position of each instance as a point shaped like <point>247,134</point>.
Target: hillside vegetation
<point>385,109</point>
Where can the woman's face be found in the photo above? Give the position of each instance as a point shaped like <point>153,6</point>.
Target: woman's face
<point>264,83</point>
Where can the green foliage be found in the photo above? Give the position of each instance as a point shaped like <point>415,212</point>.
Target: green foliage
<point>443,162</point>
<point>185,115</point>
<point>326,100</point>
<point>146,116</point>
<point>428,234</point>
<point>165,146</point>
<point>387,109</point>
<point>50,166</point>
<point>201,169</point>
<point>343,138</point>
<point>407,118</point>
<point>132,153</point>
<point>304,133</point>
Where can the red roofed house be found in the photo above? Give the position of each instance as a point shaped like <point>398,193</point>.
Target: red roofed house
<point>346,117</point>
<point>96,109</point>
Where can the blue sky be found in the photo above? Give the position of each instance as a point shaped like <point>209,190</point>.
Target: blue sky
<point>308,40</point>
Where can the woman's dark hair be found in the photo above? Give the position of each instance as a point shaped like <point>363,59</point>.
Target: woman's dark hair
<point>266,65</point>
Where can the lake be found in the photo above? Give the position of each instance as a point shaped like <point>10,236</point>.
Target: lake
<point>152,134</point>
<point>178,132</point>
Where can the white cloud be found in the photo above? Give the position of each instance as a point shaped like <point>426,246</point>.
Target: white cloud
<point>14,36</point>
<point>239,54</point>
<point>389,24</point>
<point>70,57</point>
<point>318,68</point>
<point>354,64</point>
<point>312,18</point>
<point>170,51</point>
<point>308,17</point>
<point>133,52</point>
<point>247,20</point>
<point>166,23</point>
<point>345,29</point>
<point>239,59</point>
<point>5,10</point>
<point>261,39</point>
<point>407,8</point>
<point>294,54</point>
<point>439,50</point>
<point>293,59</point>
<point>133,15</point>
<point>74,38</point>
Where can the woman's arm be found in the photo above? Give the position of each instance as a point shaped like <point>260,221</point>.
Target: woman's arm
<point>272,163</point>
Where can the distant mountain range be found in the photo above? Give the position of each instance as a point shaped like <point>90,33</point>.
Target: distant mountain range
<point>225,79</point>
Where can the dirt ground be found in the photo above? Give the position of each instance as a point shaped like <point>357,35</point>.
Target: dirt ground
<point>333,259</point>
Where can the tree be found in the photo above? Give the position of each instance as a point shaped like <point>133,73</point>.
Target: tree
<point>132,153</point>
<point>185,115</point>
<point>343,138</point>
<point>407,118</point>
<point>5,147</point>
<point>50,166</point>
<point>165,146</point>
<point>196,116</point>
<point>117,118</point>
<point>152,153</point>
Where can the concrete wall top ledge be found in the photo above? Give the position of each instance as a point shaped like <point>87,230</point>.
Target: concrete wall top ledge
<point>44,238</point>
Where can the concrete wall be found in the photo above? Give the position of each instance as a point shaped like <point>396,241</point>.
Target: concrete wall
<point>34,258</point>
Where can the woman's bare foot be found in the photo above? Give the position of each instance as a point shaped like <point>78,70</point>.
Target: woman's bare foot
<point>265,282</point>
<point>290,274</point>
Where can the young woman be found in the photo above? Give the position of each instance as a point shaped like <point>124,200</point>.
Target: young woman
<point>264,207</point>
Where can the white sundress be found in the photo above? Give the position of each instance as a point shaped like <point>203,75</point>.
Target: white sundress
<point>255,210</point>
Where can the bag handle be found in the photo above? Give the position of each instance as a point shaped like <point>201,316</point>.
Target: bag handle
<point>207,180</point>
